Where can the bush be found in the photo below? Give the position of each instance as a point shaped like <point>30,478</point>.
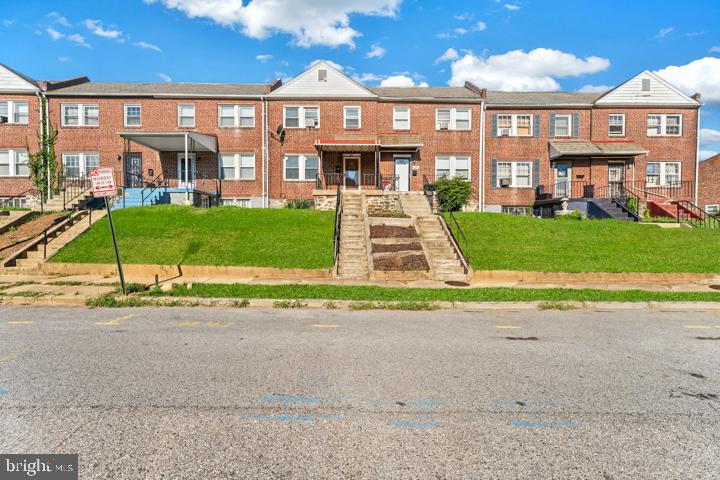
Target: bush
<point>575,215</point>
<point>452,193</point>
<point>298,204</point>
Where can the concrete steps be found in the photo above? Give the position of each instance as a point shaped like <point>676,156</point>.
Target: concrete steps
<point>414,204</point>
<point>353,257</point>
<point>445,265</point>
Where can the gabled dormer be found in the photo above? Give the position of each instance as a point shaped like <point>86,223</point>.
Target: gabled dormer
<point>646,88</point>
<point>12,81</point>
<point>322,80</point>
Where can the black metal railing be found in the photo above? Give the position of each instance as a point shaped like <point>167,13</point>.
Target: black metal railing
<point>328,180</point>
<point>690,213</point>
<point>459,241</point>
<point>151,187</point>
<point>562,189</point>
<point>683,189</point>
<point>74,188</point>
<point>389,182</point>
<point>429,191</point>
<point>9,202</point>
<point>338,225</point>
<point>626,199</point>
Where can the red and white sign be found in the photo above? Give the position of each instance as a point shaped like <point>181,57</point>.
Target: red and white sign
<point>103,182</point>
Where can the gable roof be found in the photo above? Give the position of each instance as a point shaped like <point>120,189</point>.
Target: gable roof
<point>631,92</point>
<point>129,89</point>
<point>309,85</point>
<point>537,99</point>
<point>14,81</point>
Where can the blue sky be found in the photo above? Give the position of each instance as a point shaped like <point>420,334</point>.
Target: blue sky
<point>499,44</point>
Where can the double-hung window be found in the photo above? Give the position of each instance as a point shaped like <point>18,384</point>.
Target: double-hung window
<point>401,118</point>
<point>662,173</point>
<point>516,125</point>
<point>237,166</point>
<point>616,125</point>
<point>514,174</point>
<point>78,165</point>
<point>80,115</point>
<point>352,117</point>
<point>133,115</point>
<point>186,115</point>
<point>712,209</point>
<point>563,126</point>
<point>300,167</point>
<point>14,163</point>
<point>452,166</point>
<point>301,117</point>
<point>452,119</point>
<point>14,112</point>
<point>236,116</point>
<point>664,125</point>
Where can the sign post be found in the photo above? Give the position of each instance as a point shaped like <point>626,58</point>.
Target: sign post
<point>103,185</point>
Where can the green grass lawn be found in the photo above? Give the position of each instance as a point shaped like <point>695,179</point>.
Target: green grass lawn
<point>506,242</point>
<point>171,235</point>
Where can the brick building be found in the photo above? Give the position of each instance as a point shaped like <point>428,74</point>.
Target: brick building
<point>260,145</point>
<point>709,185</point>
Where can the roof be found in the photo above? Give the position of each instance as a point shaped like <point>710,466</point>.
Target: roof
<point>435,93</point>
<point>586,148</point>
<point>541,98</point>
<point>161,89</point>
<point>369,142</point>
<point>173,141</point>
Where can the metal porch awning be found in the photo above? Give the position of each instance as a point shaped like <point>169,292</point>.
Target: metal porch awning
<point>370,143</point>
<point>605,149</point>
<point>173,141</point>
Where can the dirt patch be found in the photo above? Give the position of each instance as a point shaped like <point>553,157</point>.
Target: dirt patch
<point>387,214</point>
<point>391,231</point>
<point>15,240</point>
<point>396,247</point>
<point>401,263</point>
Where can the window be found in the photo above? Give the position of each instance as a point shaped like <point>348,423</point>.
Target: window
<point>80,115</point>
<point>452,166</point>
<point>237,166</point>
<point>515,210</point>
<point>401,118</point>
<point>301,117</point>
<point>664,125</point>
<point>516,125</point>
<point>236,202</point>
<point>78,165</point>
<point>662,173</point>
<point>616,125</point>
<point>91,115</point>
<point>352,117</point>
<point>301,167</point>
<point>236,116</point>
<point>14,112</point>
<point>514,174</point>
<point>562,126</point>
<point>186,116</point>
<point>452,119</point>
<point>14,163</point>
<point>712,209</point>
<point>133,116</point>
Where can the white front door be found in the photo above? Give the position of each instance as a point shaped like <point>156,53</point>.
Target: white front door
<point>181,170</point>
<point>402,174</point>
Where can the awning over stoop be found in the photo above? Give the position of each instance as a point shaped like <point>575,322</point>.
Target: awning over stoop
<point>610,148</point>
<point>369,143</point>
<point>173,141</point>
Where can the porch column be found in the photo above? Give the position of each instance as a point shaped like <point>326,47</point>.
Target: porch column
<point>377,168</point>
<point>187,166</point>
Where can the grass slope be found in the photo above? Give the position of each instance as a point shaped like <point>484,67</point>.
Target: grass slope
<point>171,235</point>
<point>507,242</point>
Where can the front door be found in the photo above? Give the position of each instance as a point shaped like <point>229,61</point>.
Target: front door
<point>351,167</point>
<point>616,178</point>
<point>563,174</point>
<point>402,174</point>
<point>133,170</point>
<point>191,165</point>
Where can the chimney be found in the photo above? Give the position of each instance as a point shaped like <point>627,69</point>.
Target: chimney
<point>474,88</point>
<point>696,96</point>
<point>273,86</point>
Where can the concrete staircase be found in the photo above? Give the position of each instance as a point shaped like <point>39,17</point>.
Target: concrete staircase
<point>56,204</point>
<point>353,258</point>
<point>133,197</point>
<point>415,204</point>
<point>613,210</point>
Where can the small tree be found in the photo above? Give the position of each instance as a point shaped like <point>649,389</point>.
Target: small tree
<point>452,193</point>
<point>44,170</point>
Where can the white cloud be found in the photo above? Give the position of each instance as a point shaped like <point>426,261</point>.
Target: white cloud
<point>96,28</point>
<point>7,22</point>
<point>595,88</point>
<point>449,55</point>
<point>264,58</point>
<point>309,22</point>
<point>709,136</point>
<point>54,34</point>
<point>443,36</point>
<point>461,31</point>
<point>705,154</point>
<point>64,59</point>
<point>664,32</point>
<point>79,39</point>
<point>164,77</point>
<point>480,26</point>
<point>376,51</point>
<point>337,66</point>
<point>700,75</point>
<point>512,7</point>
<point>517,70</point>
<point>401,81</point>
<point>367,78</point>
<point>147,46</point>
<point>463,16</point>
<point>59,19</point>
<point>714,50</point>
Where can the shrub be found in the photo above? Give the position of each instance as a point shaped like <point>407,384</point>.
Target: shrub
<point>452,193</point>
<point>575,215</point>
<point>298,204</point>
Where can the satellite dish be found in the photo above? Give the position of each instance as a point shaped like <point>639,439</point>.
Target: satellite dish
<point>279,129</point>
<point>282,136</point>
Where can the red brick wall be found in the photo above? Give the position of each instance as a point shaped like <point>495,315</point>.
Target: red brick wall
<point>709,182</point>
<point>17,137</point>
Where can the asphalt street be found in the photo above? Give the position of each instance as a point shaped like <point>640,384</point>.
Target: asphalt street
<point>201,393</point>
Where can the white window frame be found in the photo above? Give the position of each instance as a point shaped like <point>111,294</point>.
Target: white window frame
<point>81,108</point>
<point>514,175</point>
<point>236,202</point>
<point>180,116</point>
<point>395,118</point>
<point>569,124</point>
<point>125,110</point>
<point>345,117</point>
<point>621,115</point>
<point>452,164</point>
<point>663,125</point>
<point>237,157</point>
<point>301,115</point>
<point>82,164</point>
<point>663,173</point>
<point>237,109</point>
<point>12,111</point>
<point>714,207</point>
<point>13,154</point>
<point>452,125</point>
<point>514,124</point>
<point>302,158</point>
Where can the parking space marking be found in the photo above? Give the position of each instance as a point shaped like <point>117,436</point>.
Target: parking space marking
<point>506,326</point>
<point>698,326</point>
<point>325,325</point>
<point>220,324</point>
<point>116,321</point>
<point>19,322</point>
<point>188,323</point>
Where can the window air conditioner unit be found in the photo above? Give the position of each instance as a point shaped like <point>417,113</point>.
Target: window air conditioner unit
<point>3,119</point>
<point>504,182</point>
<point>313,124</point>
<point>444,125</point>
<point>505,132</point>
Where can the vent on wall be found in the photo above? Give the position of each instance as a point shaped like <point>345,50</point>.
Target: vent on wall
<point>322,75</point>
<point>645,84</point>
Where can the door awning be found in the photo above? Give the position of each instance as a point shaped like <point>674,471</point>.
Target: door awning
<point>610,148</point>
<point>369,143</point>
<point>173,141</point>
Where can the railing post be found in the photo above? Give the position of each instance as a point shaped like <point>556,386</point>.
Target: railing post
<point>45,244</point>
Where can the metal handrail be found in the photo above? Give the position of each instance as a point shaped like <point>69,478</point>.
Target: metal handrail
<point>153,185</point>
<point>572,189</point>
<point>627,200</point>
<point>429,191</point>
<point>338,225</point>
<point>74,187</point>
<point>683,188</point>
<point>463,256</point>
<point>695,216</point>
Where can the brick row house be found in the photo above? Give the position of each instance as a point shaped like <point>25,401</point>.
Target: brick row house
<point>260,145</point>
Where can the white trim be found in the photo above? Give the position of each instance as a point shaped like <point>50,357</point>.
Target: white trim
<point>623,124</point>
<point>13,154</point>
<point>81,109</point>
<point>514,124</point>
<point>513,173</point>
<point>452,165</point>
<point>82,161</point>
<point>662,173</point>
<point>179,116</point>
<point>301,115</point>
<point>395,109</point>
<point>302,158</point>
<point>452,123</point>
<point>11,111</point>
<point>663,125</point>
<point>409,176</point>
<point>569,125</point>
<point>125,114</point>
<point>345,117</point>
<point>237,109</point>
<point>191,174</point>
<point>237,156</point>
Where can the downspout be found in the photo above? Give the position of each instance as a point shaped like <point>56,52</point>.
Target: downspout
<point>267,154</point>
<point>697,155</point>
<point>42,138</point>
<point>481,189</point>
<point>187,186</point>
<point>262,151</point>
